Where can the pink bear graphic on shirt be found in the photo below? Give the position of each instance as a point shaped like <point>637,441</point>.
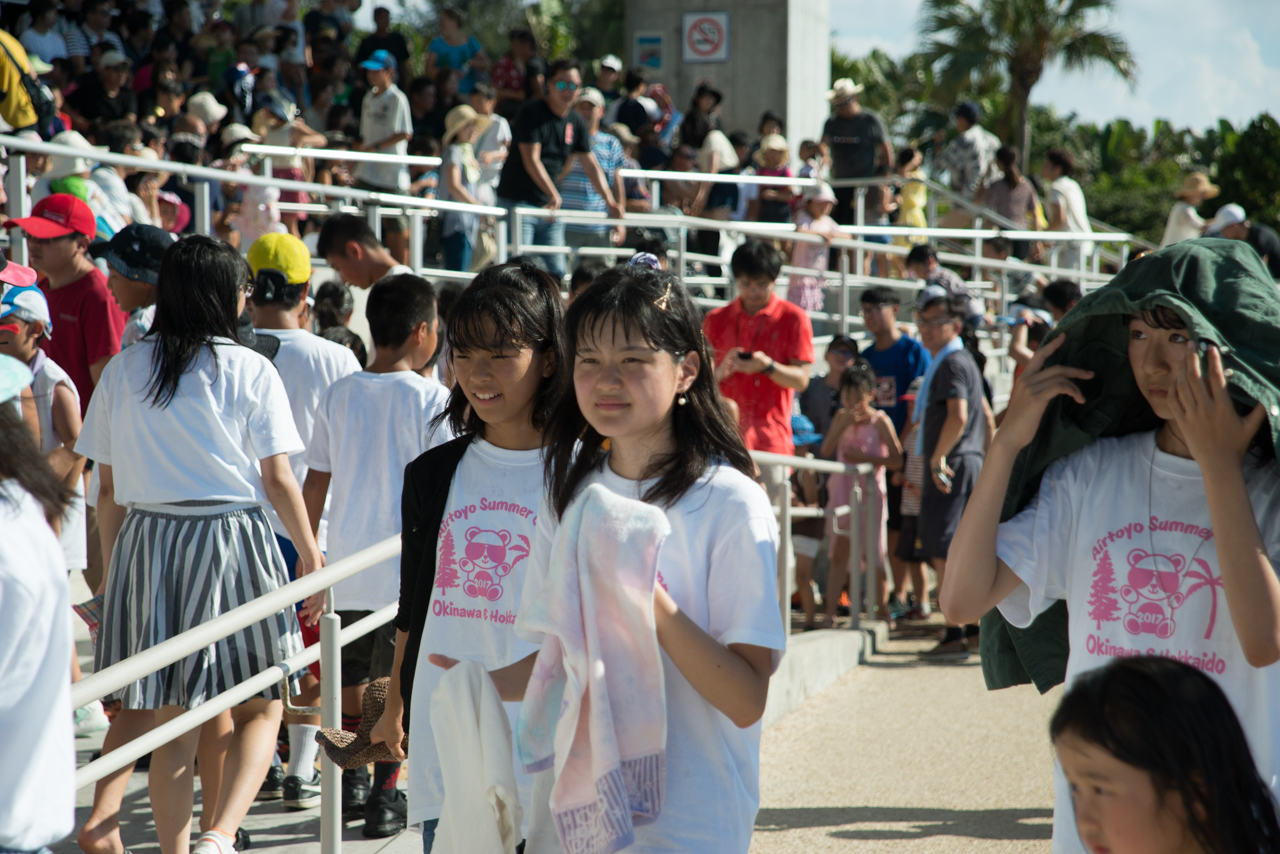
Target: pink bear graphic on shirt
<point>485,561</point>
<point>1153,592</point>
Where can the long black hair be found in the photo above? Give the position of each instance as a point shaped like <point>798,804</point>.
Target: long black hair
<point>523,304</point>
<point>22,462</point>
<point>655,305</point>
<point>1172,721</point>
<point>197,298</point>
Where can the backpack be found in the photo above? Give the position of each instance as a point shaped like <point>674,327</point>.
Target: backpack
<point>41,98</point>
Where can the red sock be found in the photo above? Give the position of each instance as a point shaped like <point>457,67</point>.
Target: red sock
<point>351,723</point>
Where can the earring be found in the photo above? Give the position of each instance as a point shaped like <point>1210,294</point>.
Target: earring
<point>682,400</point>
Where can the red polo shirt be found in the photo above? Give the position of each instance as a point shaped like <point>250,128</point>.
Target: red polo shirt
<point>87,324</point>
<point>780,329</point>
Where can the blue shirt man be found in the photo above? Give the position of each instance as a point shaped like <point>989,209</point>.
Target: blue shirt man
<point>896,358</point>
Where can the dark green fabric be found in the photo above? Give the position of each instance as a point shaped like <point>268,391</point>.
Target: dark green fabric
<point>1226,296</point>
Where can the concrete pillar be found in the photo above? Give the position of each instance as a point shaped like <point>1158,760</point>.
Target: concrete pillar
<point>778,58</point>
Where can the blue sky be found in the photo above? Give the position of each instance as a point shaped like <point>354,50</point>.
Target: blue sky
<point>1198,60</point>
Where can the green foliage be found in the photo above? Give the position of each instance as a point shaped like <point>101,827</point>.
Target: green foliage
<point>1249,171</point>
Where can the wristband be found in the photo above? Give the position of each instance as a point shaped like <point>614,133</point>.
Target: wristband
<point>769,370</point>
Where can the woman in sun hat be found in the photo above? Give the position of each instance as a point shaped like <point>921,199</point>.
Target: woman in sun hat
<point>460,182</point>
<point>278,122</point>
<point>1184,223</point>
<point>774,203</point>
<point>813,217</point>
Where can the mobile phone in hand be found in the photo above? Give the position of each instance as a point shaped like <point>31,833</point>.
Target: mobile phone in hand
<point>746,357</point>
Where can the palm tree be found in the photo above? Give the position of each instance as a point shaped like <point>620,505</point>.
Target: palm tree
<point>967,40</point>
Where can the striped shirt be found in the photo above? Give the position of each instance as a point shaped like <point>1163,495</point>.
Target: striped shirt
<point>81,40</point>
<point>576,192</point>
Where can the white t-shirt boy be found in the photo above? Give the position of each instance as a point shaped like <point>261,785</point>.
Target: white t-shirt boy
<point>382,115</point>
<point>1121,531</point>
<point>368,427</point>
<point>48,376</point>
<point>308,365</point>
<point>226,415</point>
<point>719,564</point>
<point>481,558</point>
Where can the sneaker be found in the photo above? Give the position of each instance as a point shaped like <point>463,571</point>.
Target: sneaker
<point>952,650</point>
<point>385,814</point>
<point>242,840</point>
<point>300,794</point>
<point>272,787</point>
<point>355,791</point>
<point>916,613</point>
<point>90,719</point>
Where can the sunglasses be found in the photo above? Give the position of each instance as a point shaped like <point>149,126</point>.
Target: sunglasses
<point>567,86</point>
<point>1141,578</point>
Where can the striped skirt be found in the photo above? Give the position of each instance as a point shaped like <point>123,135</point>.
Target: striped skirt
<point>177,566</point>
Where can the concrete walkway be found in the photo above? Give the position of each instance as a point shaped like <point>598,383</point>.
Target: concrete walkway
<point>909,757</point>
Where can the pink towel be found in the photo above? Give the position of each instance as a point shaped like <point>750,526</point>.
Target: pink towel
<point>595,708</point>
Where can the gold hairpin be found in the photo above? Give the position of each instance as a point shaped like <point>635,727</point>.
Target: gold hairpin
<point>662,301</point>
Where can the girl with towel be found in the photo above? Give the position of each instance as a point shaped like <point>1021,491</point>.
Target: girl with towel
<point>469,510</point>
<point>643,379</point>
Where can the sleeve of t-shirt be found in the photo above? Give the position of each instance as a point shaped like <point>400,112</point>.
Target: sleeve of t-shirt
<point>438,46</point>
<point>535,574</point>
<point>102,322</point>
<point>581,145</point>
<point>130,101</point>
<point>318,457</point>
<point>270,423</point>
<point>524,127</point>
<point>1037,545</point>
<point>473,45</point>
<point>94,440</point>
<point>918,361</point>
<point>802,343</point>
<point>712,328</point>
<point>879,133</point>
<point>742,582</point>
<point>950,382</point>
<point>404,117</point>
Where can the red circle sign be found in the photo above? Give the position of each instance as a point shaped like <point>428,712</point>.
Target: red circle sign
<point>705,36</point>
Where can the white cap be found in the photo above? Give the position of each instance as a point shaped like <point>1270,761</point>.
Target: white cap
<point>62,166</point>
<point>611,61</point>
<point>1231,214</point>
<point>206,108</point>
<point>592,94</point>
<point>112,58</point>
<point>236,132</point>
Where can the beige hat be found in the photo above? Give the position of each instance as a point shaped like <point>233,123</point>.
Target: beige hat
<point>1197,184</point>
<point>623,133</point>
<point>772,142</point>
<point>206,108</point>
<point>62,166</point>
<point>842,90</point>
<point>458,118</point>
<point>591,95</point>
<point>112,59</point>
<point>236,132</point>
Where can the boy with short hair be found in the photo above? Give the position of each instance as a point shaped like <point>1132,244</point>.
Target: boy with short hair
<point>386,125</point>
<point>922,262</point>
<point>133,259</point>
<point>349,246</point>
<point>368,427</point>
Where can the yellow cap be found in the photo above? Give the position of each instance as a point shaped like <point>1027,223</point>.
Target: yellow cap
<point>282,252</point>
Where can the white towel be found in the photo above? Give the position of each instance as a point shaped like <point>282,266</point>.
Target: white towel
<point>481,811</point>
<point>595,708</point>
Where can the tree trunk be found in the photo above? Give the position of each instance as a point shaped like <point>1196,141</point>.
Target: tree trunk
<point>1019,98</point>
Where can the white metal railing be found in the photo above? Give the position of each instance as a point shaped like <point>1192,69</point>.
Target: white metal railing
<point>274,151</point>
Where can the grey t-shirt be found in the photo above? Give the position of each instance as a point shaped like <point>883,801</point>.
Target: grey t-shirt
<point>957,377</point>
<point>853,144</point>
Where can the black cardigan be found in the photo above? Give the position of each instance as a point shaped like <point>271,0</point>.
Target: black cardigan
<point>422,505</point>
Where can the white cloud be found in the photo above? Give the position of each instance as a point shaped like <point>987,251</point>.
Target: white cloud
<point>1197,61</point>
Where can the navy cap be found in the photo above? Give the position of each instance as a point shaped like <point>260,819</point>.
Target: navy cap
<point>136,251</point>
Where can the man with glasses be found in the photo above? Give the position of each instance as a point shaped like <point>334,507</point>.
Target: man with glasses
<point>547,133</point>
<point>857,139</point>
<point>93,29</point>
<point>897,360</point>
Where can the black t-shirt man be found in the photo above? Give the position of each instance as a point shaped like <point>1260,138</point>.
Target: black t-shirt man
<point>317,23</point>
<point>92,102</point>
<point>633,114</point>
<point>957,378</point>
<point>854,141</point>
<point>559,136</point>
<point>392,43</point>
<point>1264,239</point>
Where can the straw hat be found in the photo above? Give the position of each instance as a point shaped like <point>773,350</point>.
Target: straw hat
<point>842,90</point>
<point>458,118</point>
<point>353,749</point>
<point>1197,184</point>
<point>773,142</point>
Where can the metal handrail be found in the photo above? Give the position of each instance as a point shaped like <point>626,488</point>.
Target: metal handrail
<point>338,154</point>
<point>718,178</point>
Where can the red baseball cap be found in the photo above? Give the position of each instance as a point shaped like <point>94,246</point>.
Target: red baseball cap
<point>57,216</point>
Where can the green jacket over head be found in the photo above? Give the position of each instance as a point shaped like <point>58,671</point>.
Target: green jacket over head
<point>1223,292</point>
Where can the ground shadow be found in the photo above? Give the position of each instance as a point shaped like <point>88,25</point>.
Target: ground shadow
<point>921,822</point>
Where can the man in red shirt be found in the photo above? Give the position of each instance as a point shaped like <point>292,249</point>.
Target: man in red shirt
<point>88,320</point>
<point>763,347</point>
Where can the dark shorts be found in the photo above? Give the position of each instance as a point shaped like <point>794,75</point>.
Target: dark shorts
<point>940,513</point>
<point>893,494</point>
<point>368,658</point>
<point>908,547</point>
<point>389,223</point>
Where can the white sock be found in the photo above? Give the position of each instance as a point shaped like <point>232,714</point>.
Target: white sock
<point>303,749</point>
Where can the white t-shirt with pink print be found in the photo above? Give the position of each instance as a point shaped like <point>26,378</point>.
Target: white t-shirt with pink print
<point>481,557</point>
<point>1121,531</point>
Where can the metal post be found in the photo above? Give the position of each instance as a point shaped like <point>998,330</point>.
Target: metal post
<point>783,497</point>
<point>933,215</point>
<point>844,291</point>
<point>415,237</point>
<point>517,232</point>
<point>681,249</point>
<point>869,541</point>
<point>1124,255</point>
<point>268,170</point>
<point>19,205</point>
<point>330,716</point>
<point>204,207</point>
<point>502,241</point>
<point>860,217</point>
<point>855,554</point>
<point>977,247</point>
<point>374,215</point>
<point>655,190</point>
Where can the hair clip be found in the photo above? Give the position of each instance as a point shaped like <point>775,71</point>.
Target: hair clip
<point>645,259</point>
<point>662,301</point>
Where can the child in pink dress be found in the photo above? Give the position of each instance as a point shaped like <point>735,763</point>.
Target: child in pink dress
<point>814,217</point>
<point>859,433</point>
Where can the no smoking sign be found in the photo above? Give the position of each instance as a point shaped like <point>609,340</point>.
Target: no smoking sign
<point>706,37</point>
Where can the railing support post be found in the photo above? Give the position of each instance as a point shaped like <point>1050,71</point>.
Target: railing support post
<point>871,555</point>
<point>415,239</point>
<point>783,497</point>
<point>855,555</point>
<point>844,291</point>
<point>517,232</point>
<point>503,237</point>
<point>860,217</point>
<point>204,207</point>
<point>19,205</point>
<point>655,191</point>
<point>374,216</point>
<point>681,248</point>
<point>330,716</point>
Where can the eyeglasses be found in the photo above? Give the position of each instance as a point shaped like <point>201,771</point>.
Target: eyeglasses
<point>934,323</point>
<point>842,353</point>
<point>869,307</point>
<point>567,86</point>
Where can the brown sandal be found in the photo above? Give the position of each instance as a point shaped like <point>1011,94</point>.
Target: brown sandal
<point>350,750</point>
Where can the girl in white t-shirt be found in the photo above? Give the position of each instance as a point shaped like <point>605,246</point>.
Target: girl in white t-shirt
<point>643,378</point>
<point>505,343</point>
<point>192,433</point>
<point>1161,543</point>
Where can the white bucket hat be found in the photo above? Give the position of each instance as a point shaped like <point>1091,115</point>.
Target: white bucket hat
<point>63,166</point>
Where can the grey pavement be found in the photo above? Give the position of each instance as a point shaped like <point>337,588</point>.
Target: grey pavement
<point>910,757</point>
